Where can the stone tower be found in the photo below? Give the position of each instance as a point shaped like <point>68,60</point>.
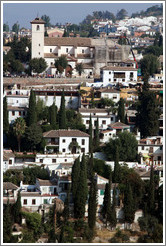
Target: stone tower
<point>37,49</point>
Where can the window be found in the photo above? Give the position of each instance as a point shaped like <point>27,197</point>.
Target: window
<point>87,121</point>
<point>19,113</point>
<point>38,28</point>
<point>159,158</point>
<point>103,122</point>
<point>41,160</point>
<point>51,63</point>
<point>101,192</point>
<point>161,147</point>
<point>25,202</point>
<point>10,162</point>
<point>109,72</point>
<point>65,160</point>
<point>53,160</point>
<point>142,147</point>
<point>109,79</point>
<point>83,141</point>
<point>64,141</point>
<point>13,113</point>
<point>39,44</point>
<point>63,150</point>
<point>33,201</point>
<point>50,50</point>
<point>39,53</point>
<point>67,50</point>
<point>83,51</point>
<point>83,150</point>
<point>112,118</point>
<point>45,201</point>
<point>90,73</point>
<point>23,113</point>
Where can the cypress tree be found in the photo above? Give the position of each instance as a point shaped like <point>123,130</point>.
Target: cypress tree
<point>92,204</point>
<point>53,113</point>
<point>107,201</point>
<point>116,166</point>
<point>5,116</point>
<point>129,211</point>
<point>62,113</point>
<point>151,193</point>
<point>126,120</point>
<point>91,163</point>
<point>66,211</point>
<point>7,224</point>
<point>17,209</point>
<point>96,137</point>
<point>112,219</point>
<point>90,135</point>
<point>148,112</point>
<point>75,176</point>
<point>31,114</point>
<point>82,191</point>
<point>121,111</point>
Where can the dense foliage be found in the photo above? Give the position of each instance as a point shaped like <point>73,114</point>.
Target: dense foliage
<point>127,147</point>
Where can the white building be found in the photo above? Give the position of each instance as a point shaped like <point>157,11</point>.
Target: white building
<point>107,134</point>
<point>151,150</point>
<point>72,97</point>
<point>67,141</point>
<point>110,93</point>
<point>8,159</point>
<point>114,75</point>
<point>103,116</point>
<point>90,52</point>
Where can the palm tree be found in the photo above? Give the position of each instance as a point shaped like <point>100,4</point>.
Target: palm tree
<point>79,68</point>
<point>19,129</point>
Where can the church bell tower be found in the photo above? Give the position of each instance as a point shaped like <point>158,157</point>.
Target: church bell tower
<point>37,47</point>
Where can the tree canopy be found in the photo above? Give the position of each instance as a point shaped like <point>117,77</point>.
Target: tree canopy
<point>38,65</point>
<point>127,146</point>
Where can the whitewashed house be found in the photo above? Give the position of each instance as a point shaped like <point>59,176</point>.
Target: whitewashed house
<point>103,116</point>
<point>110,93</point>
<point>8,159</point>
<point>151,150</point>
<point>67,141</point>
<point>119,127</point>
<point>114,75</point>
<point>50,96</point>
<point>10,192</point>
<point>107,134</point>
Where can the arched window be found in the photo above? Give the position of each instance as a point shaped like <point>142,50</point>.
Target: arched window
<point>38,27</point>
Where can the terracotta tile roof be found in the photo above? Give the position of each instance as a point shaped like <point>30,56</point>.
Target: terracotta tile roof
<point>50,55</point>
<point>38,21</point>
<point>87,65</point>
<point>109,90</point>
<point>67,41</point>
<point>119,125</point>
<point>9,186</point>
<point>7,154</point>
<point>65,178</point>
<point>92,110</point>
<point>119,68</point>
<point>64,133</point>
<point>83,56</point>
<point>34,194</point>
<point>17,108</point>
<point>47,182</point>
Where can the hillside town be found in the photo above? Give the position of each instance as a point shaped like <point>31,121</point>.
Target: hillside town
<point>83,131</point>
